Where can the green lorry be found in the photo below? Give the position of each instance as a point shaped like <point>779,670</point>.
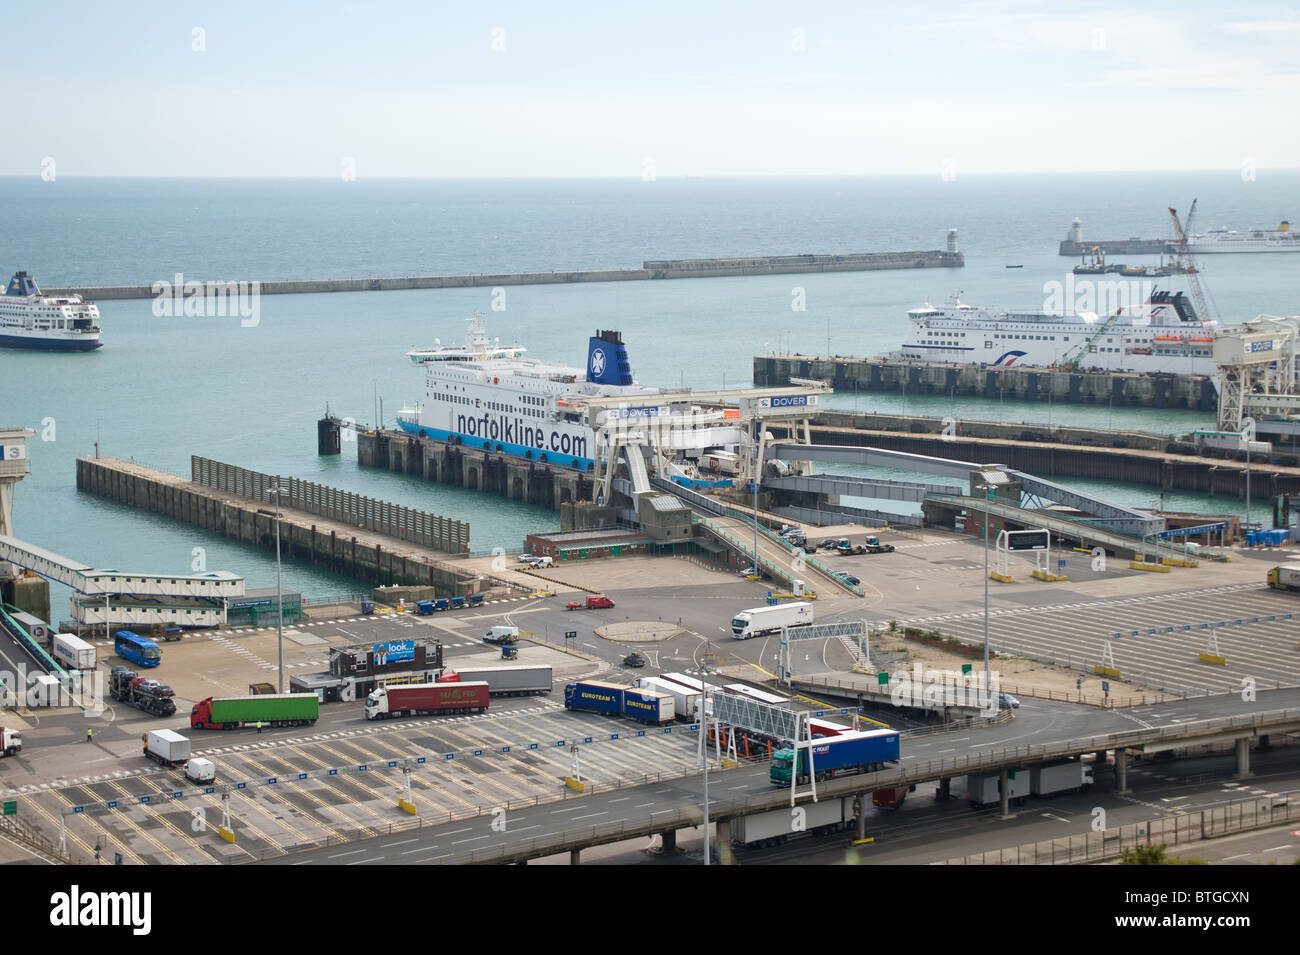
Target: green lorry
<point>276,709</point>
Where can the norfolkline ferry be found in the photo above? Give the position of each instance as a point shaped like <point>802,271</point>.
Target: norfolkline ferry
<point>29,319</point>
<point>484,395</point>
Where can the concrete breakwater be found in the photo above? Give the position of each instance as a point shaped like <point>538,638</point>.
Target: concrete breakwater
<point>336,543</point>
<point>1118,247</point>
<point>1193,392</point>
<point>659,269</point>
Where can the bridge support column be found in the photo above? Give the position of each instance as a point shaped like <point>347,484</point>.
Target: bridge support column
<point>575,857</point>
<point>722,840</point>
<point>1121,771</point>
<point>860,824</point>
<point>669,840</point>
<point>944,792</point>
<point>1098,760</point>
<point>1004,794</point>
<point>1243,759</point>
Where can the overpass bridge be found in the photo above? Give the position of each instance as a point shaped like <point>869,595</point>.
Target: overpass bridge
<point>1035,491</point>
<point>536,831</point>
<point>98,587</point>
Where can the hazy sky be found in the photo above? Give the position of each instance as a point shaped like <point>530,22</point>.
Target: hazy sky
<point>443,89</point>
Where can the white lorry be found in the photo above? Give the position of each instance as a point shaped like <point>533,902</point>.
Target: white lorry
<point>773,827</point>
<point>760,620</point>
<point>509,681</point>
<point>1069,776</point>
<point>74,652</point>
<point>167,747</point>
<point>983,789</point>
<point>686,702</point>
<point>11,741</point>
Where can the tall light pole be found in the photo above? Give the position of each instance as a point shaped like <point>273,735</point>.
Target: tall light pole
<point>279,597</point>
<point>988,494</point>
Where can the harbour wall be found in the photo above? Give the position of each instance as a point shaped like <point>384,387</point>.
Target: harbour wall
<point>1119,247</point>
<point>342,547</point>
<point>659,269</point>
<point>1192,392</point>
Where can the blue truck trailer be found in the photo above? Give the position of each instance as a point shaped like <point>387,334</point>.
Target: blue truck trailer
<point>650,706</point>
<point>864,752</point>
<point>594,696</point>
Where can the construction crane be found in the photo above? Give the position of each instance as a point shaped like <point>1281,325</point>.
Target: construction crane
<point>1185,261</point>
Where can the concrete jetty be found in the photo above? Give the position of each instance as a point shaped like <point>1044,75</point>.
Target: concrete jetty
<point>393,545</point>
<point>1023,383</point>
<point>658,269</point>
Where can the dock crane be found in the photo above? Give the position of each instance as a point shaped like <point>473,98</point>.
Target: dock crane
<point>1185,261</point>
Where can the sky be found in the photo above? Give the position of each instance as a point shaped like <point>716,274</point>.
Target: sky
<point>435,89</point>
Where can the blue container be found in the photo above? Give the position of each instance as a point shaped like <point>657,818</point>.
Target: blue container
<point>476,600</point>
<point>646,705</point>
<point>424,607</point>
<point>457,603</point>
<point>594,696</point>
<point>442,603</point>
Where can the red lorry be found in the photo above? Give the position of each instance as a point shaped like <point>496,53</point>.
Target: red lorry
<point>414,698</point>
<point>594,602</point>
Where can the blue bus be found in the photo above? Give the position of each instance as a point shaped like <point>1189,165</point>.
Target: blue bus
<point>137,649</point>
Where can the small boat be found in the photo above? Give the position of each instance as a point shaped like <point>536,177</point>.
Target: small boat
<point>1015,266</point>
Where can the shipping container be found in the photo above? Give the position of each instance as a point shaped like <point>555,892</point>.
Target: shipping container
<point>983,789</point>
<point>74,652</point>
<point>594,696</point>
<point>763,829</point>
<point>166,747</point>
<point>507,681</point>
<point>416,698</point>
<point>846,753</point>
<point>1069,776</point>
<point>280,709</point>
<point>685,701</point>
<point>649,706</point>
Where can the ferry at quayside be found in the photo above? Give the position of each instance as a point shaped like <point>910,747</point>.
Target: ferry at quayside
<point>485,395</point>
<point>29,319</point>
<point>1282,239</point>
<point>1164,335</point>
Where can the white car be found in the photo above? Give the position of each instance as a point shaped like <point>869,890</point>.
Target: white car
<point>537,562</point>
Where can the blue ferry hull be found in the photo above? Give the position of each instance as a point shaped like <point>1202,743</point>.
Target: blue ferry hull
<point>512,450</point>
<point>46,344</point>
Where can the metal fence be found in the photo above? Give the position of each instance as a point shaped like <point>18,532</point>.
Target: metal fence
<point>1240,816</point>
<point>393,520</point>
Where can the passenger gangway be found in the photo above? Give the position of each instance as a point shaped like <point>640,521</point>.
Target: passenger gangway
<point>91,581</point>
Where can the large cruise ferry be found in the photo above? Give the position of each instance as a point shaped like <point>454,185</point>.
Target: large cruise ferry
<point>1282,239</point>
<point>1162,335</point>
<point>484,395</point>
<point>29,319</point>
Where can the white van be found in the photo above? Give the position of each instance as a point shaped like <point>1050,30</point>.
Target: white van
<point>200,770</point>
<point>539,562</point>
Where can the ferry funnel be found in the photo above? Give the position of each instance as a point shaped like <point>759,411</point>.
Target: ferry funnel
<point>607,361</point>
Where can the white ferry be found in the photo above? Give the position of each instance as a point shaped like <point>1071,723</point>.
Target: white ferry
<point>1161,336</point>
<point>1281,239</point>
<point>29,319</point>
<point>488,396</point>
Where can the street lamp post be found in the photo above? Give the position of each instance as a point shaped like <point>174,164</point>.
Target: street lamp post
<point>279,597</point>
<point>987,489</point>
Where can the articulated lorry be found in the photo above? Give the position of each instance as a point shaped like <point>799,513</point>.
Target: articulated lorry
<point>73,652</point>
<point>983,789</point>
<point>594,696</point>
<point>506,681</point>
<point>1284,577</point>
<point>11,741</point>
<point>761,830</point>
<point>686,702</point>
<point>232,712</point>
<point>1069,776</point>
<point>850,752</point>
<point>127,686</point>
<point>760,620</point>
<point>414,699</point>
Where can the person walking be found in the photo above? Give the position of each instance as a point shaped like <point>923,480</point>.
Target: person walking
<point>90,734</point>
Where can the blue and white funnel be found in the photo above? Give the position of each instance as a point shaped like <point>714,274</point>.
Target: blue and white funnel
<point>607,361</point>
<point>22,284</point>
